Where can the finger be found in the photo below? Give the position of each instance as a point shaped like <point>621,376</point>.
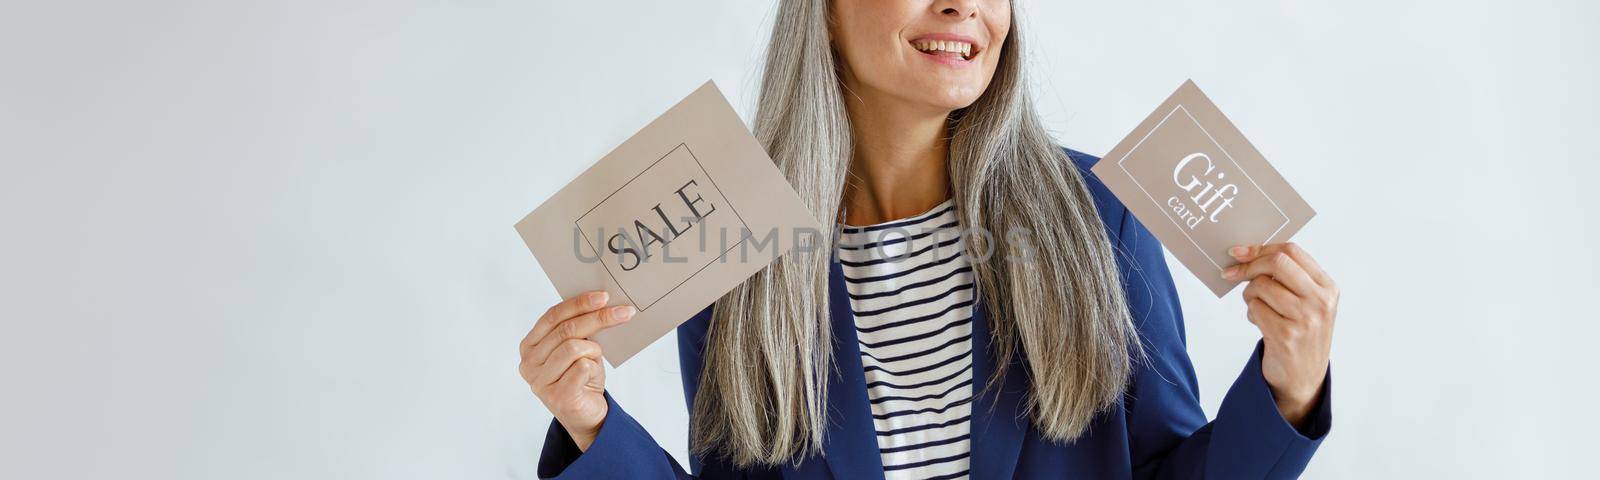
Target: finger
<point>570,351</point>
<point>1295,251</point>
<point>530,374</point>
<point>577,305</point>
<point>584,374</point>
<point>1275,295</point>
<point>1280,266</point>
<point>581,326</point>
<point>1302,257</point>
<point>597,378</point>
<point>1263,317</point>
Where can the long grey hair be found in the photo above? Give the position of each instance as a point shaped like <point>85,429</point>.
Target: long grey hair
<point>1053,296</point>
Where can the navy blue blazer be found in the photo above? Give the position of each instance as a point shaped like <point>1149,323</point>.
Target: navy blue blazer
<point>1157,431</point>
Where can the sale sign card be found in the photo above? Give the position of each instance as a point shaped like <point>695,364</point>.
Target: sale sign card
<point>1193,179</point>
<point>670,220</point>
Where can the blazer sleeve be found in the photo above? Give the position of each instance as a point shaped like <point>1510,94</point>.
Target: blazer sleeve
<point>623,449</point>
<point>1168,432</point>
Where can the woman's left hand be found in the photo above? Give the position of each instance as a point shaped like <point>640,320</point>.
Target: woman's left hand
<point>1293,302</point>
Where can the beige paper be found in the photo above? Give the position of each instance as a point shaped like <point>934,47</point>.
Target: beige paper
<point>669,221</point>
<point>1189,176</point>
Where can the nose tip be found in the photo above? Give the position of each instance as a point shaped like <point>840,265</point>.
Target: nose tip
<point>955,9</point>
<point>959,11</point>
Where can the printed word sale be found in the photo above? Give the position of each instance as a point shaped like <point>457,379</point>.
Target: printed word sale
<point>1203,179</point>
<point>632,250</point>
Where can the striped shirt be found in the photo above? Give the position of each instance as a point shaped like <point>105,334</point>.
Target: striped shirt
<point>912,293</point>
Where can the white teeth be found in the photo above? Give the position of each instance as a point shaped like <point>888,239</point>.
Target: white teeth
<point>963,48</point>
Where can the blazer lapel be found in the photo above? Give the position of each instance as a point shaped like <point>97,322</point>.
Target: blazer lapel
<point>998,420</point>
<point>851,442</point>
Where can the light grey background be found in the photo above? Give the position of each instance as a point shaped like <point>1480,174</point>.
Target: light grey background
<point>273,239</point>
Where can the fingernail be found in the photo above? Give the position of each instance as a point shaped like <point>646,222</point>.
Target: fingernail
<point>1239,251</point>
<point>622,313</point>
<point>596,299</point>
<point>1229,272</point>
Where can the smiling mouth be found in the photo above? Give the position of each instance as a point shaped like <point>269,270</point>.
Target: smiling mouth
<point>950,48</point>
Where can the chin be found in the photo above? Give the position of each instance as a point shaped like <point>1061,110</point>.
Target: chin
<point>944,94</point>
<point>955,97</point>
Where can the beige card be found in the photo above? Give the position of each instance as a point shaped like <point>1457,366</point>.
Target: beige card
<point>669,221</point>
<point>1189,176</point>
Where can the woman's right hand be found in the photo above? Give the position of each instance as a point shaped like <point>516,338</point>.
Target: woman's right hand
<point>563,367</point>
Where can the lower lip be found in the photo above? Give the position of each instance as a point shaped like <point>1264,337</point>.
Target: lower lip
<point>950,60</point>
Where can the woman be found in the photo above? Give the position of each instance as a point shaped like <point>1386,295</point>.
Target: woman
<point>1054,352</point>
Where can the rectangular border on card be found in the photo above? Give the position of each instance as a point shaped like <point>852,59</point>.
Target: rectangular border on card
<point>1167,214</point>
<point>594,247</point>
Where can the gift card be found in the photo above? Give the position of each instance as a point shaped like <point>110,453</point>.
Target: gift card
<point>1193,179</point>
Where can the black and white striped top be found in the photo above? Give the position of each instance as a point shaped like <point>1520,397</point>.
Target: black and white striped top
<point>912,293</point>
